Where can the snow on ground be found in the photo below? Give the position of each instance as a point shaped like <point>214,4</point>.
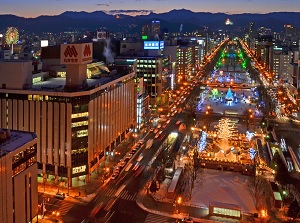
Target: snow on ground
<point>225,187</point>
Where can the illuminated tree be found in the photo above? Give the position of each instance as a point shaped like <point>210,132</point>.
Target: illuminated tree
<point>226,128</point>
<point>202,142</point>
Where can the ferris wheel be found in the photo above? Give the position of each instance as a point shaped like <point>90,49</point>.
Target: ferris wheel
<point>12,36</point>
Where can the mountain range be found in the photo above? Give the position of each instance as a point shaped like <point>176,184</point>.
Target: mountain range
<point>172,20</point>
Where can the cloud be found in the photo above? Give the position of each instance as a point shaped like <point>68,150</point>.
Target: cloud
<point>132,12</point>
<point>102,4</point>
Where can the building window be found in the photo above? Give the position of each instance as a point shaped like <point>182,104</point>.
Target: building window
<point>79,115</point>
<point>81,133</point>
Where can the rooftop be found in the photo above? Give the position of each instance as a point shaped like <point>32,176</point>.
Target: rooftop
<point>58,84</point>
<point>14,140</point>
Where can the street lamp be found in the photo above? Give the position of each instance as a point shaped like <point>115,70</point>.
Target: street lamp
<point>179,201</point>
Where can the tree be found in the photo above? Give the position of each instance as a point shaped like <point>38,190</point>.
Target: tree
<point>225,128</point>
<point>294,210</point>
<point>196,171</point>
<point>201,144</point>
<point>153,187</point>
<point>257,186</point>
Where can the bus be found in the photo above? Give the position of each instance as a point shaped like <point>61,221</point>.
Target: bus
<point>149,143</point>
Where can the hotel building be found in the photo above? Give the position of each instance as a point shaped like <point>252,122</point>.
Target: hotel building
<point>18,176</point>
<point>78,120</point>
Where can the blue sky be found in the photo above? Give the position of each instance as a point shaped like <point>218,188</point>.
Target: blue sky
<point>34,8</point>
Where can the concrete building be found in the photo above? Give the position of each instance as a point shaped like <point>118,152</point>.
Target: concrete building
<point>155,29</point>
<point>146,32</point>
<point>18,176</point>
<point>155,73</point>
<point>282,70</point>
<point>185,63</point>
<point>78,120</point>
<point>265,52</point>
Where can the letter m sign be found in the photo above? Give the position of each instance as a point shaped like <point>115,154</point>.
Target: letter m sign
<point>70,51</point>
<point>87,51</point>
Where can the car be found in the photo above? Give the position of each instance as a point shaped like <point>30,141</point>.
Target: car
<point>178,122</point>
<point>122,164</point>
<point>156,136</point>
<point>136,166</point>
<point>60,196</point>
<point>126,159</point>
<point>187,220</point>
<point>155,131</point>
<point>133,151</point>
<point>117,169</point>
<point>168,121</point>
<point>129,155</point>
<point>114,176</point>
<point>141,142</point>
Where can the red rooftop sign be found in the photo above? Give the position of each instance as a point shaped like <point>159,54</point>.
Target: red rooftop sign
<point>80,53</point>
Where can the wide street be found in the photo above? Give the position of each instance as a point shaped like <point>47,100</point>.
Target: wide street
<point>115,200</point>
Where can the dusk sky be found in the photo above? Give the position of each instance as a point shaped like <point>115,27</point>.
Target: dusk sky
<point>34,8</point>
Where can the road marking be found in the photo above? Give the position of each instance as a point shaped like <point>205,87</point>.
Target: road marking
<point>153,218</point>
<point>121,188</point>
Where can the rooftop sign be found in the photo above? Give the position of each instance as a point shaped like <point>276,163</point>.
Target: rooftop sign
<point>81,53</point>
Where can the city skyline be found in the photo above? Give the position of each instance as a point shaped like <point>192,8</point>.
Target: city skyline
<point>34,9</point>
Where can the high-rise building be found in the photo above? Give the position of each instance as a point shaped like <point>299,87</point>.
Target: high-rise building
<point>250,28</point>
<point>155,29</point>
<point>155,73</point>
<point>184,62</point>
<point>78,120</point>
<point>18,176</point>
<point>265,52</point>
<point>281,65</point>
<point>146,32</point>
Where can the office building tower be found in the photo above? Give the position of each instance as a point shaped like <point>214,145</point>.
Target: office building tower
<point>18,176</point>
<point>282,69</point>
<point>265,52</point>
<point>155,29</point>
<point>78,120</point>
<point>145,32</point>
<point>185,62</point>
<point>155,73</point>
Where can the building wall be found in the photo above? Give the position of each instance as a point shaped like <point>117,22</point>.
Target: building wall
<point>185,62</point>
<point>130,47</point>
<point>8,69</point>
<point>64,140</point>
<point>18,188</point>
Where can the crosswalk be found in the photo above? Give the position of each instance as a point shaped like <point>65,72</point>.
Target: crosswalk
<point>125,194</point>
<point>65,207</point>
<point>154,218</point>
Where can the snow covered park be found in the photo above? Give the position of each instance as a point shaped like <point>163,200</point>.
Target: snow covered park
<point>222,186</point>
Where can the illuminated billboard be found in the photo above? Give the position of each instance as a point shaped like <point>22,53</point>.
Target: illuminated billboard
<point>153,45</point>
<point>81,53</point>
<point>161,44</point>
<point>144,37</point>
<point>44,43</point>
